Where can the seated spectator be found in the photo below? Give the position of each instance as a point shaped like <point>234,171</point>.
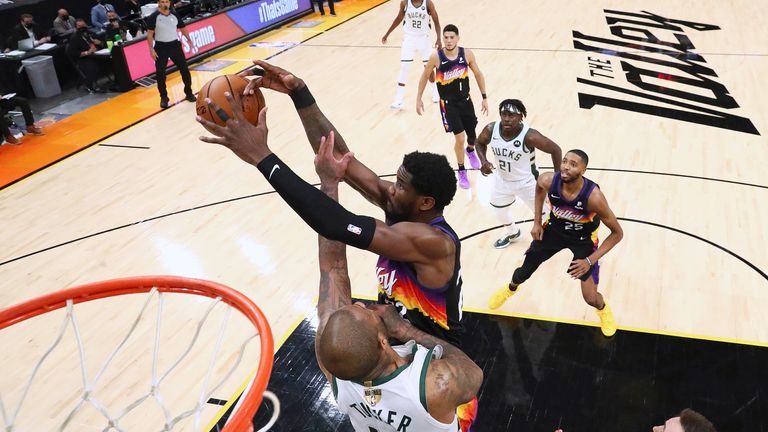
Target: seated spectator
<point>79,48</point>
<point>120,27</point>
<point>63,26</point>
<point>9,104</point>
<point>27,29</point>
<point>132,7</point>
<point>99,18</point>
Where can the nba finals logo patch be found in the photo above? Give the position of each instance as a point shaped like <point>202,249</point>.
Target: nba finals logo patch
<point>649,65</point>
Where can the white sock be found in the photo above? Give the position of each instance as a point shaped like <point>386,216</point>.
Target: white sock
<point>504,215</point>
<point>400,93</point>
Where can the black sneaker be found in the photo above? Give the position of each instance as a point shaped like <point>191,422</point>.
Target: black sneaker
<point>191,97</point>
<point>163,103</point>
<point>506,240</point>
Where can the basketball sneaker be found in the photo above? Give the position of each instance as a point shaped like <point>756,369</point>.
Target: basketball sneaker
<point>190,97</point>
<point>506,240</point>
<point>164,103</point>
<point>474,162</point>
<point>500,296</point>
<point>463,180</point>
<point>397,105</point>
<point>607,323</point>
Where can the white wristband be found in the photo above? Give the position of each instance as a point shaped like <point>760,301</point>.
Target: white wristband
<point>588,261</point>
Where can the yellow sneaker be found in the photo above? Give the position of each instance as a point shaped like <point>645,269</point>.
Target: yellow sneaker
<point>607,323</point>
<point>500,296</point>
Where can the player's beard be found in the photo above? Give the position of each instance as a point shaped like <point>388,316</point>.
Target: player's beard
<point>393,217</point>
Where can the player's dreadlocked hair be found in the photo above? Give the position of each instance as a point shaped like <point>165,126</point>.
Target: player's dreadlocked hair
<point>513,105</point>
<point>432,176</point>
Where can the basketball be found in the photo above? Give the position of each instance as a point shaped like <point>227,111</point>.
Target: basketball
<point>215,89</point>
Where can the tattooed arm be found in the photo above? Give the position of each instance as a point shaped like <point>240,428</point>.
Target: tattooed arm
<point>451,381</point>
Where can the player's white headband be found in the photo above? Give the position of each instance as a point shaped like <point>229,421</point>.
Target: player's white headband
<point>510,107</point>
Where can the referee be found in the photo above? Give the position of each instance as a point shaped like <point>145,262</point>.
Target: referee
<point>164,44</point>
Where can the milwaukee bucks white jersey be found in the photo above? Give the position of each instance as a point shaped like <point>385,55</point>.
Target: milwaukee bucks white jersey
<point>515,162</point>
<point>416,22</point>
<point>396,402</point>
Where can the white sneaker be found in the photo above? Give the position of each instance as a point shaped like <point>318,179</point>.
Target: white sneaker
<point>397,105</point>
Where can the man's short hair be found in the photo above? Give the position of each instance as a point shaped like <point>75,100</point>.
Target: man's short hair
<point>26,15</point>
<point>695,422</point>
<point>451,28</point>
<point>432,176</point>
<point>582,154</point>
<point>80,20</point>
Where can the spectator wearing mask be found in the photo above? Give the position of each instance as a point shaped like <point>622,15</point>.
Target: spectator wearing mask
<point>64,25</point>
<point>27,29</point>
<point>119,27</point>
<point>79,48</point>
<point>99,18</point>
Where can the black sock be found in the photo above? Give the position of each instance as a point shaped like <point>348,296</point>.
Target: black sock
<point>470,149</point>
<point>461,167</point>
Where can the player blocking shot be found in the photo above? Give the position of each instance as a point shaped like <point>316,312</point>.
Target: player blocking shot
<point>513,144</point>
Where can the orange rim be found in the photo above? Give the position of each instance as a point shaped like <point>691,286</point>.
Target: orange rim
<point>240,420</point>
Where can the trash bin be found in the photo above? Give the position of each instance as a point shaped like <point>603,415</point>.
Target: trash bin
<point>42,75</point>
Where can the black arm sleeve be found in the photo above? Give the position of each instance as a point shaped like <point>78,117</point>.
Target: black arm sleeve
<point>326,216</point>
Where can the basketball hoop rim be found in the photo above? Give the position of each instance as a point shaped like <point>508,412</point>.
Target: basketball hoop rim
<point>240,420</point>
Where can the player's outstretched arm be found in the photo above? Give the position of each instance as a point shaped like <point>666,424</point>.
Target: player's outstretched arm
<point>335,291</point>
<point>535,140</point>
<point>481,145</point>
<point>316,126</point>
<point>451,381</point>
<point>479,77</point>
<point>398,19</point>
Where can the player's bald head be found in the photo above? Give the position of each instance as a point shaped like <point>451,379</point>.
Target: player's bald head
<point>349,346</point>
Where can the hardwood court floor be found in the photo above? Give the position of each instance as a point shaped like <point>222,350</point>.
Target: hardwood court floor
<point>690,196</point>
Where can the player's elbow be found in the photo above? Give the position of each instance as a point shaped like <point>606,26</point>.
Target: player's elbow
<point>475,379</point>
<point>618,232</point>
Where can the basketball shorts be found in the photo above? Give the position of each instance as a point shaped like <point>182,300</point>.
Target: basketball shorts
<point>506,192</point>
<point>553,242</point>
<point>416,44</point>
<point>458,115</point>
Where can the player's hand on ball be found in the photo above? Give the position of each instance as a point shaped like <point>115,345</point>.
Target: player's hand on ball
<point>271,77</point>
<point>487,168</point>
<point>578,268</point>
<point>329,169</point>
<point>537,232</point>
<point>247,141</point>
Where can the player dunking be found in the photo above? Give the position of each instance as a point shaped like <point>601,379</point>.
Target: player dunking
<point>578,206</point>
<point>414,16</point>
<point>514,145</point>
<point>419,266</point>
<point>453,64</point>
<point>416,386</point>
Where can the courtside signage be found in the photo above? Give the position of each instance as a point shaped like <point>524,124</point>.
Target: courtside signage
<point>218,30</point>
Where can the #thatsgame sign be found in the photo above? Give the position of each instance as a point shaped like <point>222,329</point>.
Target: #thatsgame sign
<point>218,30</point>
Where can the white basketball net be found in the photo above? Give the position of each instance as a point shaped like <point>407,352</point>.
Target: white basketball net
<point>113,416</point>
